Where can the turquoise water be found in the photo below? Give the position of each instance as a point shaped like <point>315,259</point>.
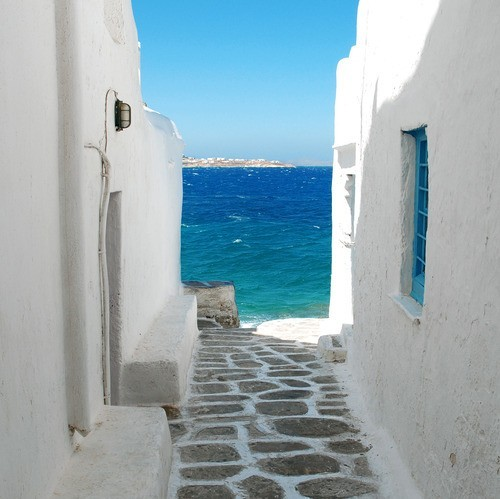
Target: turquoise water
<point>266,229</point>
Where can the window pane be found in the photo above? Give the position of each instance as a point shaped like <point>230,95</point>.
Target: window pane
<point>421,210</point>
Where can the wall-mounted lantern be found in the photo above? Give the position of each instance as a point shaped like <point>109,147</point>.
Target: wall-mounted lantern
<point>122,115</point>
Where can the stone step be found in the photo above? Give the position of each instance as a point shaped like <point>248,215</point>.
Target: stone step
<point>330,348</point>
<point>229,331</point>
<point>205,323</point>
<point>242,329</point>
<point>128,454</point>
<point>156,374</point>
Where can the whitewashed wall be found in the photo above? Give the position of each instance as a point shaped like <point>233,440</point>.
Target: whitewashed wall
<point>58,59</point>
<point>33,421</point>
<point>430,377</point>
<point>145,168</point>
<point>346,178</point>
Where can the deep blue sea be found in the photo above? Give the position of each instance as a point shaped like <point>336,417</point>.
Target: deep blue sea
<point>266,229</point>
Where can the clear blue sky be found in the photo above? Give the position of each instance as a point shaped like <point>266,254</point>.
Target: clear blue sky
<point>246,78</point>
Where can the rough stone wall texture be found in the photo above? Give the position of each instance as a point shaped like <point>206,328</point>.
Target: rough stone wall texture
<point>432,383</point>
<point>216,300</point>
<point>59,60</point>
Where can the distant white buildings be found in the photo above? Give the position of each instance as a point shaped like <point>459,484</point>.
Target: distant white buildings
<point>230,162</point>
<point>91,307</point>
<point>416,243</point>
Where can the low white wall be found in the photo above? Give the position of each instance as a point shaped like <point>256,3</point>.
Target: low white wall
<point>59,59</point>
<point>433,383</point>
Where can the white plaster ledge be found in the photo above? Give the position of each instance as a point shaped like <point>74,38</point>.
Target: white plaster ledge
<point>128,454</point>
<point>331,349</point>
<point>156,374</point>
<point>411,308</point>
<point>341,147</point>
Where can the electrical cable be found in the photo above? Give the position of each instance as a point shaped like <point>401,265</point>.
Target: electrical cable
<point>103,264</point>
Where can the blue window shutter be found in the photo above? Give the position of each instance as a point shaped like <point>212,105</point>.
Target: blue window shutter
<point>421,215</point>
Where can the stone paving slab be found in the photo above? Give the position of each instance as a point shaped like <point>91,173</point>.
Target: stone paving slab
<point>265,418</point>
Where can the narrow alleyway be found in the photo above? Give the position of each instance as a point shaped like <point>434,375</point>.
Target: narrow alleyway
<point>265,418</point>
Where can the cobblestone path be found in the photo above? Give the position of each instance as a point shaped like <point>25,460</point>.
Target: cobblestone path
<point>264,418</point>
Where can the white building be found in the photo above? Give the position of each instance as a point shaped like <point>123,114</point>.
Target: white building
<point>64,66</point>
<point>417,116</point>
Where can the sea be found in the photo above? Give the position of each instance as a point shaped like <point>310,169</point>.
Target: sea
<point>266,229</point>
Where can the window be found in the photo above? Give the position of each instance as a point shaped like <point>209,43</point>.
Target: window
<point>421,215</point>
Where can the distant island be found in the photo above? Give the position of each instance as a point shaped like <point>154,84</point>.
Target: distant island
<point>189,162</point>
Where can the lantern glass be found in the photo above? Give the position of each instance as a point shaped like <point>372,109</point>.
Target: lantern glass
<point>123,115</point>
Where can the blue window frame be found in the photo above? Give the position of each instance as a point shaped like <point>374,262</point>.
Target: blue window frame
<point>421,214</point>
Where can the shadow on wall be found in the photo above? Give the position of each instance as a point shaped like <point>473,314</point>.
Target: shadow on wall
<point>427,391</point>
